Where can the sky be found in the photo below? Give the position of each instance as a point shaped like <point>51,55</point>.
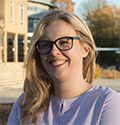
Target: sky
<point>79,2</point>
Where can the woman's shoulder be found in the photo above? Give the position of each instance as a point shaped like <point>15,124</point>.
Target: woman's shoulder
<point>104,92</point>
<point>14,117</point>
<point>18,100</point>
<point>107,101</point>
<point>102,89</point>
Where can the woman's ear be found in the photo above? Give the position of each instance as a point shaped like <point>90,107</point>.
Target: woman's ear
<point>86,50</point>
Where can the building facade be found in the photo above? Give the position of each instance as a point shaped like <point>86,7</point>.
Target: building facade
<point>18,18</point>
<point>14,30</point>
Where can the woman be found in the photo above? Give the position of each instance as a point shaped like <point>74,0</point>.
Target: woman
<point>59,71</point>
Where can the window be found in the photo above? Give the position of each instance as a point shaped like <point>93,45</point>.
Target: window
<point>11,11</point>
<point>22,14</point>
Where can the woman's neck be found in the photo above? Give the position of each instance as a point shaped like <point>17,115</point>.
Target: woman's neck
<point>70,89</point>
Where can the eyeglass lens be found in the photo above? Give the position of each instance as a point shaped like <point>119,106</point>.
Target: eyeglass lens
<point>62,44</point>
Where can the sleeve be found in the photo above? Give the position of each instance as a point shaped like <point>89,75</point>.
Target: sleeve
<point>15,113</point>
<point>111,110</point>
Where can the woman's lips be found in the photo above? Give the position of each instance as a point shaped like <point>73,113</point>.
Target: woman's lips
<point>57,62</point>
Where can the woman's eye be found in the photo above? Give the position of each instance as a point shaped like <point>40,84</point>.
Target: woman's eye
<point>64,42</point>
<point>45,45</point>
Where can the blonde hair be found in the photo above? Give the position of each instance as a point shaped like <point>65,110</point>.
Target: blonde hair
<point>38,84</point>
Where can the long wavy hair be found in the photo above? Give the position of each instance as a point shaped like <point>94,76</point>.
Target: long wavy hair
<point>38,84</point>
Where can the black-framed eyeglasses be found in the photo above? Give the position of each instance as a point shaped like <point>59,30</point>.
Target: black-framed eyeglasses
<point>63,44</point>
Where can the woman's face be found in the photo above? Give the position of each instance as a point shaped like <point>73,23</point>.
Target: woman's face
<point>63,65</point>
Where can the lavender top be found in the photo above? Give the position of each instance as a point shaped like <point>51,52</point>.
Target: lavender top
<point>98,106</point>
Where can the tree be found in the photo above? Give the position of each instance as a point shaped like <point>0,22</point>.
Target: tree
<point>65,4</point>
<point>104,23</point>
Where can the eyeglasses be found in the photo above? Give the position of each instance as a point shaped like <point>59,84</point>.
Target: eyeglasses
<point>63,44</point>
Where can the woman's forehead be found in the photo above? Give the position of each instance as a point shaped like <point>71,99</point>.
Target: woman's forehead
<point>59,28</point>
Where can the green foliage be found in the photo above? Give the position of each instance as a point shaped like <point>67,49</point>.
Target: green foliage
<point>104,23</point>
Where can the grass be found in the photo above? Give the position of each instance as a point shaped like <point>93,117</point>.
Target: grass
<point>109,73</point>
<point>4,113</point>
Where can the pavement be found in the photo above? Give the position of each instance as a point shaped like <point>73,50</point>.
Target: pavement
<point>10,93</point>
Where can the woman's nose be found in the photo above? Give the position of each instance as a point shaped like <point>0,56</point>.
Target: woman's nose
<point>54,50</point>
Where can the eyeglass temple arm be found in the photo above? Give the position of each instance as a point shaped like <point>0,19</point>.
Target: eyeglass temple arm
<point>77,38</point>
